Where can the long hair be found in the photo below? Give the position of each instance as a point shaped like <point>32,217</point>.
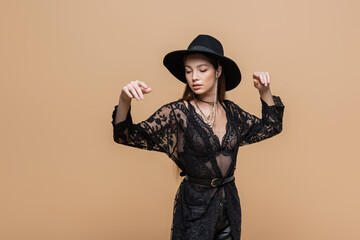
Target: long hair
<point>188,95</point>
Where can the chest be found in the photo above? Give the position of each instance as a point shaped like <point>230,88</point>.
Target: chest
<point>219,127</point>
<point>220,136</point>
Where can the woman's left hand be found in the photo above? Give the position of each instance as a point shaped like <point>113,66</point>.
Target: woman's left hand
<point>261,81</point>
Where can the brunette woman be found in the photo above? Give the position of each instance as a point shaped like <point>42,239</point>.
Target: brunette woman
<point>201,133</point>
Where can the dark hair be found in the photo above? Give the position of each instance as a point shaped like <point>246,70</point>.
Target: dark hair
<point>187,95</point>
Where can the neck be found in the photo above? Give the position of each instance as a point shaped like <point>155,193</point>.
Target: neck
<point>207,99</point>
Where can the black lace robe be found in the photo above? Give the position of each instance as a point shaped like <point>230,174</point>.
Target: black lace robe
<point>180,132</point>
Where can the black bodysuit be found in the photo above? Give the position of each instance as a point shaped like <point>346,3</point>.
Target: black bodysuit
<point>180,132</point>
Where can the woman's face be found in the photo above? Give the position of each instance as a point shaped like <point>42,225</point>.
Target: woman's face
<point>201,74</point>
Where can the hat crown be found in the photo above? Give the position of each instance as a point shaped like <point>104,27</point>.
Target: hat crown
<point>207,42</point>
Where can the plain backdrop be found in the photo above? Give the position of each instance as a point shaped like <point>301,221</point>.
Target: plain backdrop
<point>63,65</point>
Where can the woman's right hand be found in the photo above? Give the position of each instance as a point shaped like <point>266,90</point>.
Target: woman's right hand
<point>135,89</point>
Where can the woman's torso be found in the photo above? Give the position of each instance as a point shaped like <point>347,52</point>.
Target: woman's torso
<point>219,126</point>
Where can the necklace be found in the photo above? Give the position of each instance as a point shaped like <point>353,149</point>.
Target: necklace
<point>213,112</point>
<point>206,101</point>
<point>208,119</point>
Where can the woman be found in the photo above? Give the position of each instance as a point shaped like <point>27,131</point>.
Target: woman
<point>201,133</point>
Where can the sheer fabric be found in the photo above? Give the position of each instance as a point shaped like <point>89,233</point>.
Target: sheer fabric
<point>179,131</point>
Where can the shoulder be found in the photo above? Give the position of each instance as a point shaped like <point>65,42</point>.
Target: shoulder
<point>234,108</point>
<point>174,106</point>
<point>230,104</point>
<point>176,102</point>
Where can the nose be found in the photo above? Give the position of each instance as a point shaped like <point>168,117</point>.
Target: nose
<point>194,76</point>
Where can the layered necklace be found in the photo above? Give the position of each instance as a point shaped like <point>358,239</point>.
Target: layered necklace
<point>209,120</point>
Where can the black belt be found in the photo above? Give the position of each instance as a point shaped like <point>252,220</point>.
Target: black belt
<point>215,182</point>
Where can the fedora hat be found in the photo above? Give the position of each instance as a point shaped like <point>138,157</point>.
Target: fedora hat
<point>173,61</point>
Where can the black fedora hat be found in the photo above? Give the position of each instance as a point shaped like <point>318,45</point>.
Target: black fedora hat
<point>173,61</point>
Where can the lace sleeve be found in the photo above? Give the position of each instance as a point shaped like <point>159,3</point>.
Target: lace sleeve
<point>157,133</point>
<point>254,129</point>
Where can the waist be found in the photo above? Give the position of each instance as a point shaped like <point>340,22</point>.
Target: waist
<point>215,182</point>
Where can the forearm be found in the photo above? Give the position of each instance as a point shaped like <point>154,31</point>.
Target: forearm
<point>267,97</point>
<point>122,110</point>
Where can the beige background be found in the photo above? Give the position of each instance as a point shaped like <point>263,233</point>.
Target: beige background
<point>63,64</point>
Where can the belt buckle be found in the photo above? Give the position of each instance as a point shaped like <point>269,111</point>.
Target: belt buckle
<point>213,182</point>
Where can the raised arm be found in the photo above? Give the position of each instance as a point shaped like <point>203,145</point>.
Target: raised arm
<point>157,133</point>
<point>135,89</point>
<point>254,129</point>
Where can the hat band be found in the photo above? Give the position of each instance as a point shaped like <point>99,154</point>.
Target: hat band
<point>203,49</point>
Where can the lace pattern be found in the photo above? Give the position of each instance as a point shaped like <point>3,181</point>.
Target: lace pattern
<point>177,130</point>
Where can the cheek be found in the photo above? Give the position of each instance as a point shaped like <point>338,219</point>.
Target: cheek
<point>188,80</point>
<point>209,78</point>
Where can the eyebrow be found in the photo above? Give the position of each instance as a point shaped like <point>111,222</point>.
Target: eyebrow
<point>197,65</point>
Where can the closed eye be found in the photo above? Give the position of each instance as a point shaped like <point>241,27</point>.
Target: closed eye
<point>200,71</point>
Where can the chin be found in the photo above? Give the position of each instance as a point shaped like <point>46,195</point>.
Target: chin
<point>198,91</point>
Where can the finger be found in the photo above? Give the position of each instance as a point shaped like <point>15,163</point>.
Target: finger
<point>133,91</point>
<point>265,78</point>
<point>261,77</point>
<point>142,84</point>
<point>268,77</point>
<point>138,90</point>
<point>126,90</point>
<point>256,75</point>
<point>147,90</point>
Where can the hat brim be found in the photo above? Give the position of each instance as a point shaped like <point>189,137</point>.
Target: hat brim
<point>173,61</point>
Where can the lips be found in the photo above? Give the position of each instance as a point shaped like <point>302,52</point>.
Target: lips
<point>196,86</point>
